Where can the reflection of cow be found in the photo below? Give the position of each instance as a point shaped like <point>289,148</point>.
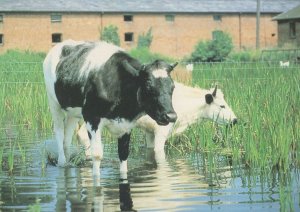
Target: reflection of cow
<point>108,88</point>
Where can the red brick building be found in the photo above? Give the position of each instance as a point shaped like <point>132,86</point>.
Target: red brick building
<point>177,25</point>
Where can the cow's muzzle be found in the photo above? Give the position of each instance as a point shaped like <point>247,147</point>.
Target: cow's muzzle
<point>172,117</point>
<point>167,118</point>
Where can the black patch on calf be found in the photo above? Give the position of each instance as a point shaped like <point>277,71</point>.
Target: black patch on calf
<point>209,98</point>
<point>123,147</point>
<point>89,134</point>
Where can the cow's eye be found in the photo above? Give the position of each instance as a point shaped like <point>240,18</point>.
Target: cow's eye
<point>222,106</point>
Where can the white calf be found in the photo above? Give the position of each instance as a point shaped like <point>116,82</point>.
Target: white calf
<point>191,105</point>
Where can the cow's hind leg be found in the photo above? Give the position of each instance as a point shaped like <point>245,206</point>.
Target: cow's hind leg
<point>58,123</point>
<point>123,150</point>
<point>94,132</point>
<point>82,136</point>
<point>70,124</point>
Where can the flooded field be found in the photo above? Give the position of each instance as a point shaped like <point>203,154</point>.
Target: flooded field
<point>176,184</point>
<point>251,167</point>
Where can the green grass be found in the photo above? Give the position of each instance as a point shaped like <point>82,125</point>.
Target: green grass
<point>266,100</point>
<point>23,100</point>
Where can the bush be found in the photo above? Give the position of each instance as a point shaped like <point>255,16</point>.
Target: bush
<point>145,40</point>
<point>145,56</point>
<point>244,56</point>
<point>214,50</point>
<point>110,34</point>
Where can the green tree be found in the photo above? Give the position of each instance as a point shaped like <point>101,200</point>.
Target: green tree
<point>213,50</point>
<point>145,40</point>
<point>110,34</point>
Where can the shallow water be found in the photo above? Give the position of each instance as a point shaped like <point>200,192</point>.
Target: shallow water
<point>176,184</point>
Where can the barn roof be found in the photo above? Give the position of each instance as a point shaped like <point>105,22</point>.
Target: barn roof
<point>291,14</point>
<point>147,6</point>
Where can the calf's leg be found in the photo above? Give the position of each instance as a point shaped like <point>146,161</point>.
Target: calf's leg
<point>123,151</point>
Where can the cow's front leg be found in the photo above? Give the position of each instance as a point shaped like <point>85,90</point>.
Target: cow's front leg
<point>123,150</point>
<point>94,133</point>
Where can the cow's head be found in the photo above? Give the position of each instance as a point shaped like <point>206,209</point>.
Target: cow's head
<point>156,90</point>
<point>217,109</point>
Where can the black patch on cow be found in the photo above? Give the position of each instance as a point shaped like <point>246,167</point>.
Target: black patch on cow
<point>111,92</point>
<point>123,147</point>
<point>126,203</point>
<point>209,98</point>
<point>68,86</point>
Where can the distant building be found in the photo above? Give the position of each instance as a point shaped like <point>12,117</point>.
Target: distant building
<point>289,28</point>
<point>177,25</point>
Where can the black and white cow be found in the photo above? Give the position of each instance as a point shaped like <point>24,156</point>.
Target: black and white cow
<point>108,88</point>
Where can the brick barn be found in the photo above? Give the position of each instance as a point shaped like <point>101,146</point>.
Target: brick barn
<point>289,28</point>
<point>177,25</point>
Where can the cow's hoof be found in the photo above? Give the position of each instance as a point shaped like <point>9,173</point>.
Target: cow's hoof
<point>61,162</point>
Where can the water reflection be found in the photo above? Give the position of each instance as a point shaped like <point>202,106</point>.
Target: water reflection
<point>154,184</point>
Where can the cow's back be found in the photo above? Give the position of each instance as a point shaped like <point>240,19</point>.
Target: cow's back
<point>68,65</point>
<point>50,64</point>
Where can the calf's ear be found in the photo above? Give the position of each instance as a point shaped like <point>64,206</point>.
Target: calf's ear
<point>209,98</point>
<point>129,68</point>
<point>214,93</point>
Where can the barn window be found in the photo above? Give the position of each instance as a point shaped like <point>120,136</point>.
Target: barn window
<point>56,37</point>
<point>217,17</point>
<point>170,18</point>
<point>1,18</point>
<point>128,18</point>
<point>128,37</point>
<point>292,30</point>
<point>1,39</point>
<point>55,18</point>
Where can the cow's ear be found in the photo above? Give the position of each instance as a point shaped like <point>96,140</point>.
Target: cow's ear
<point>172,66</point>
<point>209,98</point>
<point>129,68</point>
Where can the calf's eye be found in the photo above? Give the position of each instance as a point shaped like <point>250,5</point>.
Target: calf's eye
<point>222,106</point>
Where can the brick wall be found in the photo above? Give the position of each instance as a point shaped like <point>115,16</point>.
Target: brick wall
<point>173,38</point>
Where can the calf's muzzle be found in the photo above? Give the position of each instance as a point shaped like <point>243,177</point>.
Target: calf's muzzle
<point>233,122</point>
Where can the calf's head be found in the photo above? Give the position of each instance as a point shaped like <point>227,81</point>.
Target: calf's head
<point>156,91</point>
<point>217,109</point>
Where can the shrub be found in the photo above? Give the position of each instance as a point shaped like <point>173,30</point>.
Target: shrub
<point>110,34</point>
<point>145,40</point>
<point>213,50</point>
<point>244,56</point>
<point>145,56</point>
